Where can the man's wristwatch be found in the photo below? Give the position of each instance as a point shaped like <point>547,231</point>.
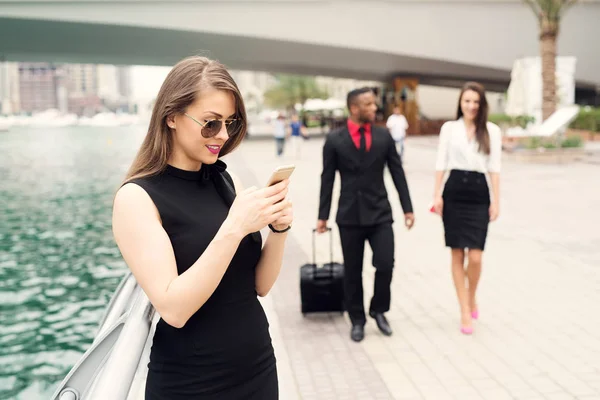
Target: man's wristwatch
<point>279,231</point>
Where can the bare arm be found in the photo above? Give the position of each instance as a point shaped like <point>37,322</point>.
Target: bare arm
<point>495,179</point>
<point>147,251</point>
<point>494,166</point>
<point>439,179</point>
<point>269,265</point>
<point>147,248</point>
<point>441,166</point>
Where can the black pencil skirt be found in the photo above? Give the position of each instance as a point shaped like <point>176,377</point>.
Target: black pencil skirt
<point>466,210</point>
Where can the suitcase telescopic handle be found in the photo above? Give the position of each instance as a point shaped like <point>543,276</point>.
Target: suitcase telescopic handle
<point>314,247</point>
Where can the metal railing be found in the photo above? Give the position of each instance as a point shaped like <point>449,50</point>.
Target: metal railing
<point>107,369</point>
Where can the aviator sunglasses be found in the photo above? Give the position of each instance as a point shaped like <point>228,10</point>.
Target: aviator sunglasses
<point>211,128</point>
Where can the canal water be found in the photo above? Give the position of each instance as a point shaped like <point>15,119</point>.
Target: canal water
<point>58,261</point>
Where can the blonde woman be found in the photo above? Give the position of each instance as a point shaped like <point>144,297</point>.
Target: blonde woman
<point>193,245</point>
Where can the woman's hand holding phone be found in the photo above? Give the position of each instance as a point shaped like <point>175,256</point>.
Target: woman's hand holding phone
<point>283,173</point>
<point>254,208</point>
<point>286,218</point>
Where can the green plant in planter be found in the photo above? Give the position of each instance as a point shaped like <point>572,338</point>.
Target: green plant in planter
<point>553,143</point>
<point>499,119</point>
<point>520,120</point>
<point>533,143</point>
<point>524,120</point>
<point>588,119</point>
<point>572,142</point>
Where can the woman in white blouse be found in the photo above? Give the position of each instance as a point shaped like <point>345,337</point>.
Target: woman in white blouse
<point>469,148</point>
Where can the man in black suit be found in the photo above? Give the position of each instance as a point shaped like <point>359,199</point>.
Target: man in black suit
<point>359,151</point>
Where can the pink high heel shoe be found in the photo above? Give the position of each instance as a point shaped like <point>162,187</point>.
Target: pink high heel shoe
<point>466,330</point>
<point>475,314</point>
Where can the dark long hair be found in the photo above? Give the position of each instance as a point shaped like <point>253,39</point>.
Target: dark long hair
<point>481,133</point>
<point>182,86</point>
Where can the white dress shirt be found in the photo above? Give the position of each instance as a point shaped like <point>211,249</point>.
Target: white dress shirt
<point>456,151</point>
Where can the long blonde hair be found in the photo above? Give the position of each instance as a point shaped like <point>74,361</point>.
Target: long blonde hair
<point>181,88</point>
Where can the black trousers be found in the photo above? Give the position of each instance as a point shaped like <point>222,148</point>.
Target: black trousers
<point>381,240</point>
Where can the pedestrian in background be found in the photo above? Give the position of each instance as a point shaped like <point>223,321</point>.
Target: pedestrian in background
<point>360,151</point>
<point>279,134</point>
<point>397,124</point>
<point>297,135</point>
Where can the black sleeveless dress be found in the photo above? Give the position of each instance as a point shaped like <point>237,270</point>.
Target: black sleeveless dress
<point>224,351</point>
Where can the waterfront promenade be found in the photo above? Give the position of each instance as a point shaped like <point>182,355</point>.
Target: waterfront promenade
<point>538,333</point>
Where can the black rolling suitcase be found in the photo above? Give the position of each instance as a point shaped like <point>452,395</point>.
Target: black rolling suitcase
<point>322,288</point>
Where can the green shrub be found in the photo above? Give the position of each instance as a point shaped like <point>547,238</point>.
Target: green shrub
<point>521,120</point>
<point>588,119</point>
<point>533,143</point>
<point>499,118</point>
<point>551,143</point>
<point>571,142</point>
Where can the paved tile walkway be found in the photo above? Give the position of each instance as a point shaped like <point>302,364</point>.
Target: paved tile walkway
<point>539,332</point>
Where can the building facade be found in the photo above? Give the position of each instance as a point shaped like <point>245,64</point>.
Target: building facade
<point>38,86</point>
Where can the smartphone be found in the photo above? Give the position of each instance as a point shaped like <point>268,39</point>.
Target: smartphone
<point>281,173</point>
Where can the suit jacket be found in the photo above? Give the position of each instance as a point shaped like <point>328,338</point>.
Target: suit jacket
<point>363,198</point>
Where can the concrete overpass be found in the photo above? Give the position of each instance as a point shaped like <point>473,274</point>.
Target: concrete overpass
<point>442,42</point>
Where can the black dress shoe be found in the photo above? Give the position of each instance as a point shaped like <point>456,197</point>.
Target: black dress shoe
<point>382,323</point>
<point>357,333</point>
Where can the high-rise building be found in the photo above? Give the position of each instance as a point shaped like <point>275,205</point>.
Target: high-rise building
<point>4,87</point>
<point>124,81</point>
<point>38,86</point>
<point>83,79</point>
<point>124,88</point>
<point>9,88</point>
<point>108,83</point>
<point>83,89</point>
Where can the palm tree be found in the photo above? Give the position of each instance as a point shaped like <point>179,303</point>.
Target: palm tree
<point>549,13</point>
<point>292,89</point>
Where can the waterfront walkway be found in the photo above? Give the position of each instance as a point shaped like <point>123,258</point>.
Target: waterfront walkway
<point>538,336</point>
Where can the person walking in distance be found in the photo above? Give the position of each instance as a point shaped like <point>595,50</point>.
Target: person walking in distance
<point>397,124</point>
<point>297,135</point>
<point>469,147</point>
<point>279,134</point>
<point>359,150</point>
